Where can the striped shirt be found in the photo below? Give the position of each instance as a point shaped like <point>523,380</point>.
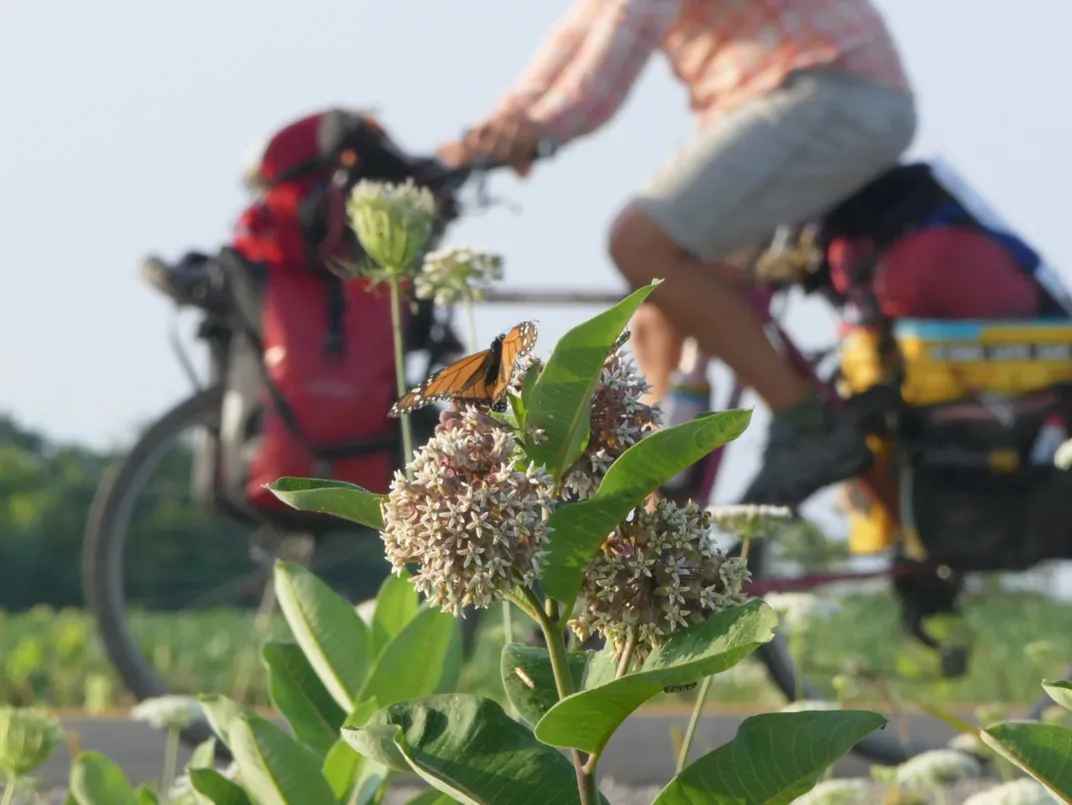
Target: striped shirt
<point>726,52</point>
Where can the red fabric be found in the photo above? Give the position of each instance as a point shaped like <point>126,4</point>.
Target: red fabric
<point>293,145</point>
<point>941,273</point>
<point>270,231</point>
<point>335,398</point>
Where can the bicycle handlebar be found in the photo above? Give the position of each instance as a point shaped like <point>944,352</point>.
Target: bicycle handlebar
<point>452,178</point>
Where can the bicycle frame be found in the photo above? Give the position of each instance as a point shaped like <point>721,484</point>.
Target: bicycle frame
<point>760,300</point>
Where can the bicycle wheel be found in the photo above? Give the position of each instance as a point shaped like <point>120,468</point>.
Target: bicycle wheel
<point>103,560</point>
<point>111,540</point>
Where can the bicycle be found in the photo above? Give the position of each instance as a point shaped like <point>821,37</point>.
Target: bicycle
<point>884,747</point>
<point>336,555</point>
<point>111,511</point>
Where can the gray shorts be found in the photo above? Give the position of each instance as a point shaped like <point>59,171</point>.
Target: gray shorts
<point>784,158</point>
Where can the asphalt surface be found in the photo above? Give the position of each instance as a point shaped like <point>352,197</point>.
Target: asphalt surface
<point>641,752</point>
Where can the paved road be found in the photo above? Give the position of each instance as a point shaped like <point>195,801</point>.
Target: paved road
<point>640,754</point>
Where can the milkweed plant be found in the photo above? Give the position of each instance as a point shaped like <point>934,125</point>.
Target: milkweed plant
<point>548,507</point>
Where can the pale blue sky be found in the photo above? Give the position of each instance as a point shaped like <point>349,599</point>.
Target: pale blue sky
<point>124,123</point>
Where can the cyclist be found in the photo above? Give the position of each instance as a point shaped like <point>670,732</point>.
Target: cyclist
<point>799,104</point>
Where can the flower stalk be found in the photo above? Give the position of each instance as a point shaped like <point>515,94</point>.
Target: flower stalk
<point>171,755</point>
<point>694,722</point>
<point>556,649</point>
<point>400,369</point>
<point>394,224</point>
<point>28,737</point>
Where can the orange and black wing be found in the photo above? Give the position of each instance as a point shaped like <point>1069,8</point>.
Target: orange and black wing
<point>466,378</point>
<point>516,344</point>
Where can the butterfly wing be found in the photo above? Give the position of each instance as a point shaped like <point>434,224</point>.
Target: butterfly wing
<point>481,378</point>
<point>516,344</point>
<point>463,378</point>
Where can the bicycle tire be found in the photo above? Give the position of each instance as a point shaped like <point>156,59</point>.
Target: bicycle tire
<point>102,551</point>
<point>103,546</point>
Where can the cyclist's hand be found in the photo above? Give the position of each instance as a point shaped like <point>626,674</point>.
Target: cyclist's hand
<point>511,139</point>
<point>454,153</point>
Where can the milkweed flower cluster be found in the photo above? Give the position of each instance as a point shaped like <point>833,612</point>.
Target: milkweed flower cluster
<point>799,611</point>
<point>393,222</point>
<point>748,519</point>
<point>970,743</point>
<point>1017,792</point>
<point>168,712</point>
<point>657,573</point>
<point>937,767</point>
<point>803,705</point>
<point>619,419</point>
<point>474,517</point>
<point>454,275</point>
<point>855,791</point>
<point>28,737</point>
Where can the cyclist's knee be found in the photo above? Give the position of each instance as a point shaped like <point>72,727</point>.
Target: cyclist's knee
<point>638,246</point>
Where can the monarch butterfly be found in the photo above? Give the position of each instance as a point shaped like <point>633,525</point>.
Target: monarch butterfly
<point>481,378</point>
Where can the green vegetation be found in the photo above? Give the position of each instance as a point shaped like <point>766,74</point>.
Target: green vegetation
<point>56,659</point>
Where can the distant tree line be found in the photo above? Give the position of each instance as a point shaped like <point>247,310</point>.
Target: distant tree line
<point>178,553</point>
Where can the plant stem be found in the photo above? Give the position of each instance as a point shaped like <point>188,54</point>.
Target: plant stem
<point>796,654</point>
<point>627,653</point>
<point>471,318</point>
<point>400,369</point>
<point>171,755</point>
<point>522,603</point>
<point>508,623</point>
<point>694,721</point>
<point>9,791</point>
<point>556,649</point>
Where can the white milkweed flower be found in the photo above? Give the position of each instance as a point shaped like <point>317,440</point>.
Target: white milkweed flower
<point>181,792</point>
<point>802,705</point>
<point>937,767</point>
<point>657,573</point>
<point>393,222</point>
<point>453,275</point>
<point>168,712</point>
<point>1017,792</point>
<point>854,791</point>
<point>28,737</point>
<point>798,611</point>
<point>1062,459</point>
<point>474,517</point>
<point>749,520</point>
<point>970,743</point>
<point>619,419</point>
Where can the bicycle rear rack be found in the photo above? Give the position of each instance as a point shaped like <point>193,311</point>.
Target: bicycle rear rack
<point>532,296</point>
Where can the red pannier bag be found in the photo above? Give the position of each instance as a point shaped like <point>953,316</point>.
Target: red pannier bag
<point>310,374</point>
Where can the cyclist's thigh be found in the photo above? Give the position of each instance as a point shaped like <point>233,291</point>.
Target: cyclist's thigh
<point>781,159</point>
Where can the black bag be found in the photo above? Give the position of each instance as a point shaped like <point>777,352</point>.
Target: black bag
<point>975,497</point>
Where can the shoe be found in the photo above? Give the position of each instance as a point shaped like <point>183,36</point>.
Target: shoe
<point>798,463</point>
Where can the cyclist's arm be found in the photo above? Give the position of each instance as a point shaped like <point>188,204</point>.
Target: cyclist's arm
<point>557,51</point>
<point>593,86</point>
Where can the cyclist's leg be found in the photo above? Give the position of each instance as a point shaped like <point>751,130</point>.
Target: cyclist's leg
<point>785,158</point>
<point>657,347</point>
